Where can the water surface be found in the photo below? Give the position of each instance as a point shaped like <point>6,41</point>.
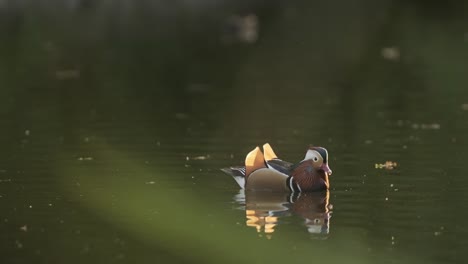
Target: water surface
<point>115,120</point>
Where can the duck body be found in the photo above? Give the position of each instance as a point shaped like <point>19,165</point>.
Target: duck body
<point>264,171</point>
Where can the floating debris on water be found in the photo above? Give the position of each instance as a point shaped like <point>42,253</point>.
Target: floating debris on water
<point>24,228</point>
<point>433,126</point>
<point>464,107</point>
<point>27,132</point>
<point>85,158</point>
<point>201,157</point>
<point>241,29</point>
<point>197,157</point>
<point>390,53</point>
<point>438,233</point>
<point>5,180</point>
<point>150,182</point>
<point>388,165</point>
<point>18,244</point>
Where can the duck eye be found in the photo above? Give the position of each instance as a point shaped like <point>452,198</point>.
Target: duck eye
<point>315,159</point>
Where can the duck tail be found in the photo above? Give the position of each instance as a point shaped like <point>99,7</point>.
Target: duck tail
<point>238,173</point>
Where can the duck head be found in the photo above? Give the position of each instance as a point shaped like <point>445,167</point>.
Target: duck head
<point>319,158</point>
<point>311,174</point>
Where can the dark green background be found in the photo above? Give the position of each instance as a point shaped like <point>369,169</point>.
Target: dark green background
<point>94,163</point>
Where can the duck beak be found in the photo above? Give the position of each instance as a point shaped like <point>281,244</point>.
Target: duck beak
<point>326,169</point>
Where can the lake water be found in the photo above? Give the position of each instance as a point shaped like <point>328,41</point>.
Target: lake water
<point>116,118</point>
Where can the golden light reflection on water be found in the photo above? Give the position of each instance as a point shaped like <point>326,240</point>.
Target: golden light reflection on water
<point>265,210</point>
<point>265,223</point>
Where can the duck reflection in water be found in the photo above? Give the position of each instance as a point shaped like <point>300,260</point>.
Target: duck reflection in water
<point>266,210</point>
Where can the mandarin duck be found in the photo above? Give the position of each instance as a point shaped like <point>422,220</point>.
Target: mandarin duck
<point>264,171</point>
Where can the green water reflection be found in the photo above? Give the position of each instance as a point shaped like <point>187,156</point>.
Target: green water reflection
<point>116,117</point>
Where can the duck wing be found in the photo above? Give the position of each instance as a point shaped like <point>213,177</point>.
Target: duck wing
<point>273,162</point>
<point>280,165</point>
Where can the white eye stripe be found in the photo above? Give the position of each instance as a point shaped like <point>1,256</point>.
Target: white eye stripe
<point>312,155</point>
